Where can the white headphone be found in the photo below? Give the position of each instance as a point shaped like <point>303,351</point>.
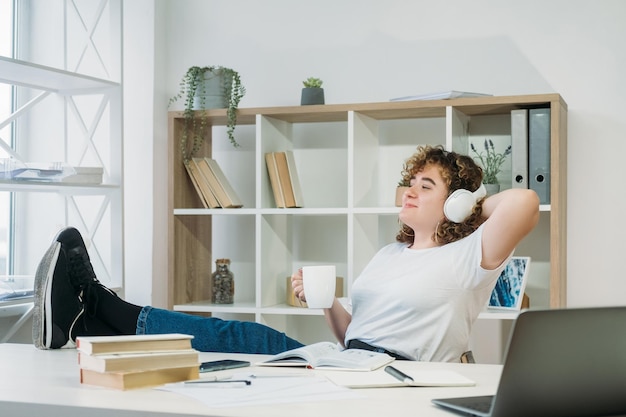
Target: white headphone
<point>459,204</point>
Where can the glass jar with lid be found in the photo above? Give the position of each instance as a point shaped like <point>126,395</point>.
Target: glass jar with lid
<point>223,283</point>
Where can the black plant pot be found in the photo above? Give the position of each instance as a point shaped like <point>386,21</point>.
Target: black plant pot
<point>312,95</point>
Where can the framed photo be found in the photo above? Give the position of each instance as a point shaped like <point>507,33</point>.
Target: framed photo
<point>509,289</point>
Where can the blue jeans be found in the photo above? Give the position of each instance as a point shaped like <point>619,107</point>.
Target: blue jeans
<point>212,334</point>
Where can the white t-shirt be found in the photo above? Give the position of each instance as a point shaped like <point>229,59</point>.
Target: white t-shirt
<point>421,303</point>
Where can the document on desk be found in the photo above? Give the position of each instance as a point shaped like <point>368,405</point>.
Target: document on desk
<point>415,378</point>
<point>263,390</point>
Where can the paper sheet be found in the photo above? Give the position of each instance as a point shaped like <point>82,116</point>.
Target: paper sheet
<point>264,390</point>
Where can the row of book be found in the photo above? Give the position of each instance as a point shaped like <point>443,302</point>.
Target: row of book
<point>530,165</point>
<point>212,186</point>
<point>530,145</point>
<point>136,361</point>
<point>281,168</point>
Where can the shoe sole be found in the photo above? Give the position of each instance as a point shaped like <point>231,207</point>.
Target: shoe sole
<point>42,306</point>
<point>42,311</point>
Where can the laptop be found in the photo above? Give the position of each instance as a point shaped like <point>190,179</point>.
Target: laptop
<point>559,362</point>
<point>508,293</point>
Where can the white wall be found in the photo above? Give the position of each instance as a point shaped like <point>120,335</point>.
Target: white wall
<point>140,148</point>
<point>368,50</point>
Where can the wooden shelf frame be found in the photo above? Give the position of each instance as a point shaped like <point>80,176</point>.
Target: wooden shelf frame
<point>190,226</point>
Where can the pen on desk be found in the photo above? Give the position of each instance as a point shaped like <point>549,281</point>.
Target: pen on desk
<point>219,381</point>
<point>399,375</point>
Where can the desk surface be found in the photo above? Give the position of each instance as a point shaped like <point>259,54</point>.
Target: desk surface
<point>47,383</point>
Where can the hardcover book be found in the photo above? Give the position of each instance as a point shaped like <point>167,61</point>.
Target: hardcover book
<point>196,185</point>
<point>295,179</point>
<point>117,362</point>
<point>221,187</point>
<point>94,345</point>
<point>139,379</point>
<point>289,179</point>
<point>203,184</point>
<point>440,95</point>
<point>272,171</point>
<point>285,179</point>
<point>85,175</point>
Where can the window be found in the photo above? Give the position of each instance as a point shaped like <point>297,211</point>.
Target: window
<point>6,134</point>
<point>74,119</point>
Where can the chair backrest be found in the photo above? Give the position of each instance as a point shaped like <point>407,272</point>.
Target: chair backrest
<point>467,357</point>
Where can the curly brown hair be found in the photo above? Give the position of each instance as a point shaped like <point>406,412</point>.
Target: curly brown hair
<point>459,172</point>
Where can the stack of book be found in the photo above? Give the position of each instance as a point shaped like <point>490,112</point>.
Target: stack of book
<point>136,361</point>
<point>281,168</point>
<point>211,184</point>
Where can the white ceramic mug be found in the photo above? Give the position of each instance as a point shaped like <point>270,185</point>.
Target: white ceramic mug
<point>319,285</point>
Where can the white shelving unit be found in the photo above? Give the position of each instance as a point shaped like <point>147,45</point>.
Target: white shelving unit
<point>349,159</point>
<point>74,118</point>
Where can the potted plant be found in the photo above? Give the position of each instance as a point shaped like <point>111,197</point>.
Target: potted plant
<point>491,162</point>
<point>403,184</point>
<point>205,88</point>
<point>312,93</point>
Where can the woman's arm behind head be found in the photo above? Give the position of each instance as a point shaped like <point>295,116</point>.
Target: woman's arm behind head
<point>511,215</point>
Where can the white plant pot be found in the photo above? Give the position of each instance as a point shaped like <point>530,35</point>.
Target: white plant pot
<point>210,94</point>
<point>492,189</point>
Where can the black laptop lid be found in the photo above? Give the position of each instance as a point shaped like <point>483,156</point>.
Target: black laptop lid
<point>569,362</point>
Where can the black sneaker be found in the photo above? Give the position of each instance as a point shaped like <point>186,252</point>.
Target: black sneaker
<point>80,271</point>
<point>56,307</point>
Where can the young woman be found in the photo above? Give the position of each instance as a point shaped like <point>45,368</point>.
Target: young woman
<point>417,298</point>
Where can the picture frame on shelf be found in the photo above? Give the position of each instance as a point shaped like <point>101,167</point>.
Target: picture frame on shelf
<point>508,293</point>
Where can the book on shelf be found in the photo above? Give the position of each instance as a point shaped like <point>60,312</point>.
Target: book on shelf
<point>139,379</point>
<point>85,175</point>
<point>138,361</point>
<point>285,180</point>
<point>221,187</point>
<point>440,95</point>
<point>381,379</point>
<point>191,172</point>
<point>295,179</point>
<point>289,180</point>
<point>329,356</point>
<point>224,184</point>
<point>272,171</point>
<point>94,345</point>
<point>206,192</point>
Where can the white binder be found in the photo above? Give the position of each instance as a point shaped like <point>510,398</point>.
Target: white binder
<point>539,153</point>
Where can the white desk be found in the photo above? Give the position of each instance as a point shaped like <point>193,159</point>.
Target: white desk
<point>35,382</point>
